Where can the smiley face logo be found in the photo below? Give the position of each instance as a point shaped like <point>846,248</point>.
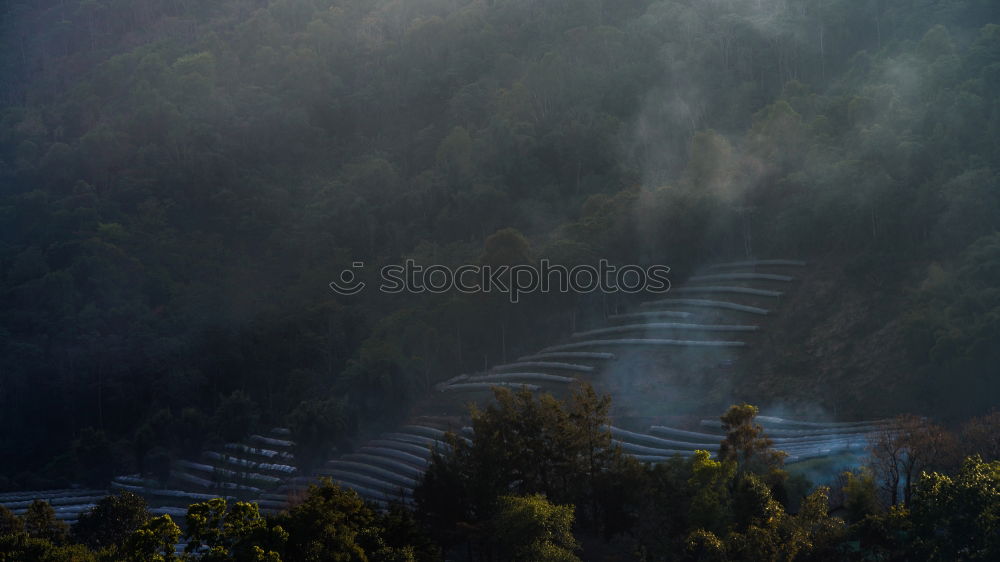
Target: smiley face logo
<point>348,283</point>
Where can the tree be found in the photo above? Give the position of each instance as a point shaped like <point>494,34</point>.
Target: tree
<point>818,533</point>
<point>190,430</point>
<point>236,416</point>
<point>94,455</point>
<point>327,525</point>
<point>20,546</point>
<point>154,433</point>
<point>957,517</point>
<point>399,536</point>
<point>705,545</point>
<point>236,532</point>
<point>454,158</point>
<point>711,166</point>
<point>745,443</point>
<point>902,450</point>
<point>40,522</point>
<point>709,484</point>
<point>773,534</point>
<point>981,436</point>
<point>317,425</point>
<point>752,501</point>
<point>661,521</point>
<point>111,521</point>
<point>506,247</point>
<point>887,454</point>
<point>529,528</point>
<point>599,460</point>
<point>377,380</point>
<point>154,541</point>
<point>10,524</point>
<point>526,445</point>
<point>860,495</point>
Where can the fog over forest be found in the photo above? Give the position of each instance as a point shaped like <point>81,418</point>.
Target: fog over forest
<point>794,355</point>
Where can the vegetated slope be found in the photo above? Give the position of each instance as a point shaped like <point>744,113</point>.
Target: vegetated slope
<point>179,181</point>
<point>863,339</point>
<point>838,347</point>
<point>665,362</point>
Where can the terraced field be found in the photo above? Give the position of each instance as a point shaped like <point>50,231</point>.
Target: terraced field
<point>705,335</point>
<point>655,361</point>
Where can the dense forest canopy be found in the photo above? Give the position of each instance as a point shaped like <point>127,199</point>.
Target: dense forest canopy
<point>179,181</point>
<point>542,480</point>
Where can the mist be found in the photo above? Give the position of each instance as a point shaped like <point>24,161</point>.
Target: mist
<point>183,184</point>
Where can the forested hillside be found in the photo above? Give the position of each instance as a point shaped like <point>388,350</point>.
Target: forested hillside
<point>541,480</point>
<point>179,182</point>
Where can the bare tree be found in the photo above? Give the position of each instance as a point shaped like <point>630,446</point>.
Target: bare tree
<point>887,452</point>
<point>904,449</point>
<point>981,436</point>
